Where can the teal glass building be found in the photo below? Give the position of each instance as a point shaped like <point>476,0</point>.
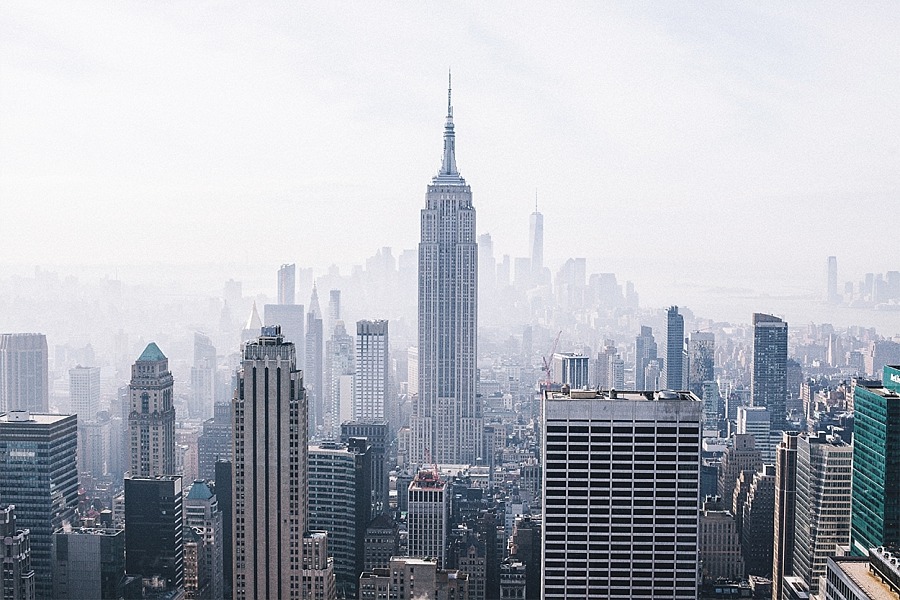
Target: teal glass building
<point>875,507</point>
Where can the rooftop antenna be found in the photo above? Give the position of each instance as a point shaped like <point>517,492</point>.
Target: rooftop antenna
<point>449,89</point>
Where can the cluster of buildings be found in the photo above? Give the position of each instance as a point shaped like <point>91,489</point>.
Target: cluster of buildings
<point>703,460</point>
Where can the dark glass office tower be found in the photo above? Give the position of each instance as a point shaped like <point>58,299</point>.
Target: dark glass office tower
<point>154,547</point>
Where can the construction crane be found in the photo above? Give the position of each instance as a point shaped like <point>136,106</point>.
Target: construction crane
<point>548,365</point>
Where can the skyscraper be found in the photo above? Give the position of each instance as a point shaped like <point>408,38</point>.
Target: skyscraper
<point>90,563</point>
<point>152,418</point>
<point>768,374</point>
<point>370,390</point>
<point>23,372</point>
<point>701,350</point>
<point>428,518</point>
<point>673,365</point>
<point>446,421</point>
<point>154,521</point>
<point>875,510</point>
<point>201,512</point>
<point>39,475</point>
<point>203,376</point>
<point>644,352</point>
<point>536,244</point>
<point>822,525</point>
<point>313,372</point>
<point>618,467</point>
<point>84,392</point>
<point>785,511</point>
<point>287,284</point>
<point>831,291</point>
<point>339,368</point>
<point>269,508</point>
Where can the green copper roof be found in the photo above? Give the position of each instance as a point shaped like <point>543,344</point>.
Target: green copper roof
<point>200,491</point>
<point>151,353</point>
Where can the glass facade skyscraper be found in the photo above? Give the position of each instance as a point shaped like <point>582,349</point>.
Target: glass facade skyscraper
<point>768,375</point>
<point>875,507</point>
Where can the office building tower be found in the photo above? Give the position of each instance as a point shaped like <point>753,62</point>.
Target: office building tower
<point>16,575</point>
<point>334,308</point>
<point>370,389</point>
<point>152,419</point>
<point>880,353</point>
<point>875,511</point>
<point>215,443</point>
<point>94,445</point>
<point>768,371</point>
<point>291,318</point>
<point>287,285</point>
<point>339,370</point>
<point>23,372</point>
<point>785,511</point>
<point>428,516</point>
<point>756,421</point>
<point>154,546</point>
<point>831,289</point>
<point>536,244</point>
<point>446,421</point>
<point>39,475</point>
<point>313,372</point>
<point>741,456</point>
<point>701,349</point>
<point>758,523</point>
<point>572,369</point>
<point>202,515</point>
<point>644,352</point>
<point>203,377</point>
<point>317,574</point>
<point>822,504</point>
<point>525,547</point>
<point>719,543</point>
<point>713,407</point>
<point>84,392</point>
<point>673,364</point>
<point>89,563</point>
<point>621,494</point>
<point>377,436</point>
<point>340,491</point>
<point>381,542</point>
<point>224,496</point>
<point>270,487</point>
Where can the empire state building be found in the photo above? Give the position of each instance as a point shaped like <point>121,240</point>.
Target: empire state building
<point>446,421</point>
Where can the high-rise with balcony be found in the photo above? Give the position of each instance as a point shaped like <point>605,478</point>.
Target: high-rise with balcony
<point>768,372</point>
<point>269,488</point>
<point>446,422</point>
<point>151,422</point>
<point>621,489</point>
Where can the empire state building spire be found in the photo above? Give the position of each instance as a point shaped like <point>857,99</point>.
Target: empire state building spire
<point>449,173</point>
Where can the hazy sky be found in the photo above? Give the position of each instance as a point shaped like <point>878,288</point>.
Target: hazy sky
<point>671,134</point>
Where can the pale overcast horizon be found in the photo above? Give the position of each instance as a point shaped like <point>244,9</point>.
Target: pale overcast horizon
<point>707,141</point>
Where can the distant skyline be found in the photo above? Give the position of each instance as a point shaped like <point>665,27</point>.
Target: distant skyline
<point>660,138</point>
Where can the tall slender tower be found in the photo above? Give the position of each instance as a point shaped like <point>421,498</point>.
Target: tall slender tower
<point>269,493</point>
<point>673,366</point>
<point>370,389</point>
<point>152,419</point>
<point>287,283</point>
<point>536,243</point>
<point>768,376</point>
<point>446,419</point>
<point>313,370</point>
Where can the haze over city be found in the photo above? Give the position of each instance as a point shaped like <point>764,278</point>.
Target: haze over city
<point>449,301</point>
<point>742,135</point>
